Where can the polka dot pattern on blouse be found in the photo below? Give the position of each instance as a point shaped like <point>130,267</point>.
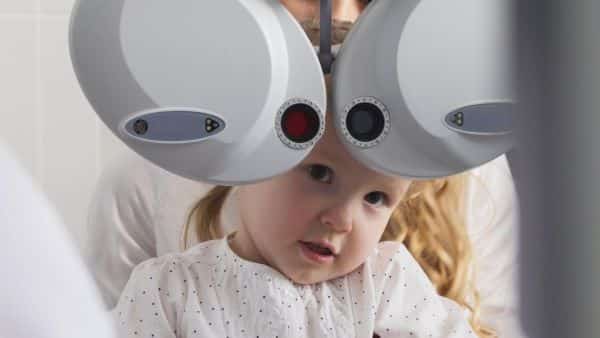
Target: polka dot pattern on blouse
<point>209,291</point>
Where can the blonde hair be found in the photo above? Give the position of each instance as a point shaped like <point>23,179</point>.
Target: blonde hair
<point>430,222</point>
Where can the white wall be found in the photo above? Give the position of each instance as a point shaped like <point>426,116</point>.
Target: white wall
<point>45,117</point>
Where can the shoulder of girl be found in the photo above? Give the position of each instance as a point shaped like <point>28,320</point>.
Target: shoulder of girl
<point>395,256</point>
<point>389,249</point>
<point>394,262</point>
<point>387,254</point>
<point>205,252</point>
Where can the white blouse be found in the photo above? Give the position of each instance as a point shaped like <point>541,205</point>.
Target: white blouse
<point>209,291</point>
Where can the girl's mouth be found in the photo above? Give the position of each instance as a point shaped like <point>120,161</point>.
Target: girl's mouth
<point>316,253</point>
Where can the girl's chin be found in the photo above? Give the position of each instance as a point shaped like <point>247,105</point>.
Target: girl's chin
<point>306,277</point>
<point>310,276</point>
<point>307,281</point>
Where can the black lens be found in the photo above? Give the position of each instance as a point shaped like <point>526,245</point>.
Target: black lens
<point>365,122</point>
<point>300,123</point>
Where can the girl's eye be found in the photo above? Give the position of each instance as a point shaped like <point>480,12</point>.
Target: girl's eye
<point>375,197</point>
<point>320,173</point>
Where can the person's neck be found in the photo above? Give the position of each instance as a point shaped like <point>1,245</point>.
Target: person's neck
<point>243,246</point>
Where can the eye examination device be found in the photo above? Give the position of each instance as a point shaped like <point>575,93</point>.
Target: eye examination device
<point>233,92</point>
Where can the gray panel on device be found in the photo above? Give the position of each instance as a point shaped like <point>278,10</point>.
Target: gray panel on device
<point>483,119</point>
<point>174,126</point>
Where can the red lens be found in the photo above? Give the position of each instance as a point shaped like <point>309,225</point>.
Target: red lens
<point>300,123</point>
<point>295,124</point>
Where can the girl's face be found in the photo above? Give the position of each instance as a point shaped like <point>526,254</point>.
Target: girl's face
<point>330,199</point>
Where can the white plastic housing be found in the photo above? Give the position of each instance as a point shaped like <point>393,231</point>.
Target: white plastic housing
<point>424,60</point>
<point>237,61</point>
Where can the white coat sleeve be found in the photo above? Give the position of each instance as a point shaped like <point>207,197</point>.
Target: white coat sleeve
<point>120,231</point>
<point>409,305</point>
<point>492,220</point>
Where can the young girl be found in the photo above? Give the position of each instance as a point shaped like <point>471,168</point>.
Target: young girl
<point>306,261</point>
<point>311,258</point>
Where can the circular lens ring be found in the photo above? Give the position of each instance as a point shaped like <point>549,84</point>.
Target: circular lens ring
<point>365,122</point>
<point>379,117</point>
<point>299,123</point>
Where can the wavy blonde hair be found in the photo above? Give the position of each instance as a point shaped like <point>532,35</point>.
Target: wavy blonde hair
<point>430,222</point>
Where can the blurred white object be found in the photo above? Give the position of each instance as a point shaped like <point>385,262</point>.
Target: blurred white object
<point>45,290</point>
<point>139,210</point>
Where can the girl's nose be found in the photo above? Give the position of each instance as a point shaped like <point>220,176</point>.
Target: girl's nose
<point>338,217</point>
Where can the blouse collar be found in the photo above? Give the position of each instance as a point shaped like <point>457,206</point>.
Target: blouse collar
<point>259,270</point>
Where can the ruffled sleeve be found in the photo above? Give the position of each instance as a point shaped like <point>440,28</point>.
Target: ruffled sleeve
<point>151,304</point>
<point>408,304</point>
